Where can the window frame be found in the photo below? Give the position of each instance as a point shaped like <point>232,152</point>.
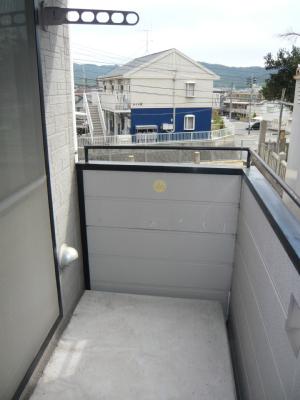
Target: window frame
<point>190,90</point>
<point>185,123</point>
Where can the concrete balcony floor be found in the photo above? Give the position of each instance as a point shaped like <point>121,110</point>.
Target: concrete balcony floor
<point>122,346</point>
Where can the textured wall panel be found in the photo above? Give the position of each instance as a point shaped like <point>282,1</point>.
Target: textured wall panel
<point>158,233</point>
<point>264,279</point>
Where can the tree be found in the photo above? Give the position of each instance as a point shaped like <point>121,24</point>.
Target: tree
<point>290,34</point>
<point>284,66</point>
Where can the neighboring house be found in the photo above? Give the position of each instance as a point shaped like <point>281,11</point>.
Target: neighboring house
<point>239,108</point>
<point>161,92</point>
<point>270,112</point>
<point>262,110</point>
<point>240,102</point>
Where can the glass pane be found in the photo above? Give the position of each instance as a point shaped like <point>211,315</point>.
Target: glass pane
<point>21,147</point>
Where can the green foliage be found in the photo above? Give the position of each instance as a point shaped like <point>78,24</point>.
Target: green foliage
<point>284,65</point>
<point>86,74</point>
<point>218,122</point>
<point>236,75</point>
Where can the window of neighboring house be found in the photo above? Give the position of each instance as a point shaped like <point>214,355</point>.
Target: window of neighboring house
<point>190,89</point>
<point>121,88</point>
<point>104,88</point>
<point>189,122</point>
<point>112,88</point>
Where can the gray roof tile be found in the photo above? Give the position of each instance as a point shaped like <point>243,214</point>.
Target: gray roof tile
<point>131,65</point>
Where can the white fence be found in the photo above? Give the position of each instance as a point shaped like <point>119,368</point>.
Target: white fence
<point>156,138</point>
<point>276,161</point>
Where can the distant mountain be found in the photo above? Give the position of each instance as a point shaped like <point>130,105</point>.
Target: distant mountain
<point>87,74</point>
<point>236,75</point>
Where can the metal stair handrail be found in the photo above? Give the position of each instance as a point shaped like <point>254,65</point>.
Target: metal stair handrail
<point>88,114</point>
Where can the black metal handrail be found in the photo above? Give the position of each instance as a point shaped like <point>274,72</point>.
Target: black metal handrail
<point>153,147</point>
<point>250,153</point>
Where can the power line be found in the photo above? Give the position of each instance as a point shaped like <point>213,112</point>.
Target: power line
<point>149,68</point>
<point>117,56</point>
<point>133,86</point>
<point>169,67</point>
<point>161,69</point>
<point>139,85</point>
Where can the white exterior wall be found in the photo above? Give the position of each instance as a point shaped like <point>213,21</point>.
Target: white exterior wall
<point>56,69</point>
<point>152,86</point>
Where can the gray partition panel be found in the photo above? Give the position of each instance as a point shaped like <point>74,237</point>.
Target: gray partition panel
<point>161,233</point>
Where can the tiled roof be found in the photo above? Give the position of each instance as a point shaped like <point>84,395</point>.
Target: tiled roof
<point>131,65</point>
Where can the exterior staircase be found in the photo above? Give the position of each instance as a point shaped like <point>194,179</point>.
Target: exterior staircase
<point>95,117</point>
<point>97,124</point>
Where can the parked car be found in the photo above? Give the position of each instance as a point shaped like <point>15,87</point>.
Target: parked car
<point>254,126</point>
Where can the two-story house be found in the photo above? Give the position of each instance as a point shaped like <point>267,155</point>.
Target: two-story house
<point>161,92</point>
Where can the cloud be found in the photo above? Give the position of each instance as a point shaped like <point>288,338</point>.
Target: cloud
<point>213,31</point>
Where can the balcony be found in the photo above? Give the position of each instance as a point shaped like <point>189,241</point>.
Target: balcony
<point>115,102</point>
<point>186,284</point>
<point>182,259</point>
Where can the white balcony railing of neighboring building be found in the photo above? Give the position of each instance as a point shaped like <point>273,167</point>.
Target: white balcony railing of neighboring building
<point>157,138</point>
<point>115,101</point>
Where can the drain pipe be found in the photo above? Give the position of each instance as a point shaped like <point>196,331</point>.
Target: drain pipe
<point>174,105</point>
<point>173,95</point>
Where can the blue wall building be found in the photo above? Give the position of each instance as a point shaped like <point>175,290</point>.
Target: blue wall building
<point>159,116</point>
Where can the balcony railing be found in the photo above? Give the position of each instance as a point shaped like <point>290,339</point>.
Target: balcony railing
<point>252,158</point>
<point>157,138</point>
<point>174,137</point>
<point>115,101</point>
<point>208,230</point>
<point>122,106</point>
<point>276,161</point>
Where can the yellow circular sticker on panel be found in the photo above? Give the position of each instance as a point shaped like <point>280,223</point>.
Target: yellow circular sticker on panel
<point>159,186</point>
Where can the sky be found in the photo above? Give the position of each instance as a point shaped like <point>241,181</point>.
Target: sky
<point>232,32</point>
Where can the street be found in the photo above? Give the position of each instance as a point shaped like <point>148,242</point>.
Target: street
<point>241,137</point>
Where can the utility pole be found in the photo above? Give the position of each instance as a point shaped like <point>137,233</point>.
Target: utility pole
<point>230,104</point>
<point>280,116</point>
<point>84,77</point>
<point>147,39</point>
<point>250,82</point>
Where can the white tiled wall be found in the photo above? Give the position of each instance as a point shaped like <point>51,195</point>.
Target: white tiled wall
<point>56,70</point>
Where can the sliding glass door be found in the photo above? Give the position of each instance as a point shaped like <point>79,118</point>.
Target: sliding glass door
<point>29,298</point>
